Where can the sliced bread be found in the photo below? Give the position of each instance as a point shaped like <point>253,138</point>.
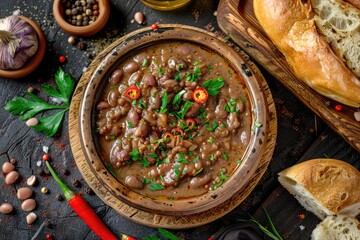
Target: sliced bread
<point>339,227</point>
<point>339,22</point>
<point>324,187</point>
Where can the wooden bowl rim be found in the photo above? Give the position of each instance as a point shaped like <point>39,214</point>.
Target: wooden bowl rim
<point>82,31</point>
<point>165,206</point>
<point>34,61</point>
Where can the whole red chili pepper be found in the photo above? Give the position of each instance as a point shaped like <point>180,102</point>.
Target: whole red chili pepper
<point>83,209</point>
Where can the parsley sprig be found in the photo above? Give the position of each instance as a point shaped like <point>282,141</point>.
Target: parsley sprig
<point>28,108</point>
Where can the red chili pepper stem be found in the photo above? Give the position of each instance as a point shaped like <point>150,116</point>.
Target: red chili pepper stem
<point>69,194</point>
<point>83,209</point>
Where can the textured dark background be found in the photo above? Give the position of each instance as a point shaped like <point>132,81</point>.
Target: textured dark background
<point>301,136</point>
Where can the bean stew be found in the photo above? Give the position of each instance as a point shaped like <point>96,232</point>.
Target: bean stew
<point>174,121</point>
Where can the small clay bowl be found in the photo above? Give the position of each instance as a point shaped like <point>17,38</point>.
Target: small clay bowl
<point>82,31</point>
<point>34,61</point>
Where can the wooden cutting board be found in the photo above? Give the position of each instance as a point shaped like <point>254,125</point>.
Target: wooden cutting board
<point>237,18</point>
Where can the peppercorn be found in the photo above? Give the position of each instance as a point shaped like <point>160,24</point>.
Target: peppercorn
<point>75,182</point>
<point>12,160</point>
<point>66,172</point>
<point>71,40</point>
<point>89,191</point>
<point>81,45</point>
<point>59,197</point>
<point>40,171</point>
<point>62,59</point>
<point>154,26</point>
<point>49,236</point>
<point>46,171</point>
<point>44,190</point>
<point>47,224</point>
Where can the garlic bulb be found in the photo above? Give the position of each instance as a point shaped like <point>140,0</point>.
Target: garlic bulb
<point>18,42</point>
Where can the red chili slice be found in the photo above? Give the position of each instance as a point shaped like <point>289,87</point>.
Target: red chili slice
<point>132,92</point>
<point>200,95</point>
<point>167,137</point>
<point>190,123</point>
<point>178,131</point>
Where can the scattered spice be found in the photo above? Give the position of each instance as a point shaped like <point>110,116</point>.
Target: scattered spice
<point>49,236</point>
<point>44,190</point>
<point>66,172</point>
<point>338,107</point>
<point>81,45</point>
<point>46,171</point>
<point>154,26</point>
<point>89,191</point>
<point>81,13</point>
<point>45,157</point>
<point>301,216</point>
<point>40,171</point>
<point>327,103</point>
<point>62,59</point>
<point>139,17</point>
<point>75,182</point>
<point>13,160</point>
<point>31,90</point>
<point>71,40</point>
<point>59,197</point>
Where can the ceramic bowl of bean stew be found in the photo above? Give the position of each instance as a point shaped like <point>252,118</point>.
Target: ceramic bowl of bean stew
<point>172,121</point>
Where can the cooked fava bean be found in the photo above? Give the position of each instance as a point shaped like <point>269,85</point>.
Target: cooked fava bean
<point>6,208</point>
<point>163,140</point>
<point>28,205</point>
<point>24,193</point>
<point>116,77</point>
<point>11,177</point>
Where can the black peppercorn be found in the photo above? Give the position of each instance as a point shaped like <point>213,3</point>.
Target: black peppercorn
<point>75,182</point>
<point>46,171</point>
<point>81,45</point>
<point>59,197</point>
<point>89,191</point>
<point>40,171</point>
<point>66,172</point>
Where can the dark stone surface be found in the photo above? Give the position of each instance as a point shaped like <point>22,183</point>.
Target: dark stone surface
<point>301,136</point>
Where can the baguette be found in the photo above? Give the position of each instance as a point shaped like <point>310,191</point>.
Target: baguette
<point>336,228</point>
<point>291,27</point>
<point>324,187</point>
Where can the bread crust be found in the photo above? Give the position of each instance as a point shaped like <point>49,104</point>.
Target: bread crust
<point>291,27</point>
<point>334,183</point>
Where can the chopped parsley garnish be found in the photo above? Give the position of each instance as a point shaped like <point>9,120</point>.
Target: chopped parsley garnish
<point>258,124</point>
<point>211,140</point>
<point>243,100</point>
<point>190,153</point>
<point>196,63</point>
<point>213,86</point>
<point>177,98</point>
<point>153,155</point>
<point>141,104</point>
<point>144,62</point>
<point>196,159</point>
<point>223,125</point>
<point>144,162</point>
<point>161,71</point>
<point>225,156</point>
<point>176,171</point>
<point>202,114</point>
<point>171,198</point>
<point>112,137</point>
<point>159,162</point>
<point>192,77</point>
<point>239,161</point>
<point>228,37</point>
<point>133,102</point>
<point>214,125</point>
<point>223,178</point>
<point>164,102</point>
<point>231,106</point>
<point>146,180</point>
<point>198,172</point>
<point>182,158</point>
<point>130,124</point>
<point>212,157</point>
<point>135,154</point>
<point>209,69</point>
<point>156,187</point>
<point>184,109</point>
<point>157,140</point>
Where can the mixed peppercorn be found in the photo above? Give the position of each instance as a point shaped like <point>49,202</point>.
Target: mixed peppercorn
<point>81,12</point>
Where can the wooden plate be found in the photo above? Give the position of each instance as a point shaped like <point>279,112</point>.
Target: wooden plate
<point>90,171</point>
<point>237,18</point>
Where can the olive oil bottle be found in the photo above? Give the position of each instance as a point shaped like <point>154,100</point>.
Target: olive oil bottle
<point>166,5</point>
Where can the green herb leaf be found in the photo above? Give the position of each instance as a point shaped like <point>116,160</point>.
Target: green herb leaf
<point>214,125</point>
<point>198,172</point>
<point>182,158</point>
<point>258,124</point>
<point>176,171</point>
<point>161,71</point>
<point>213,86</point>
<point>130,124</point>
<point>166,234</point>
<point>177,98</point>
<point>196,159</point>
<point>65,84</point>
<point>164,102</point>
<point>112,137</point>
<point>144,162</point>
<point>50,124</point>
<point>225,156</point>
<point>144,63</point>
<point>28,109</point>
<point>141,104</point>
<point>184,109</point>
<point>202,114</point>
<point>156,187</point>
<point>209,69</point>
<point>146,180</point>
<point>211,140</point>
<point>135,154</point>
